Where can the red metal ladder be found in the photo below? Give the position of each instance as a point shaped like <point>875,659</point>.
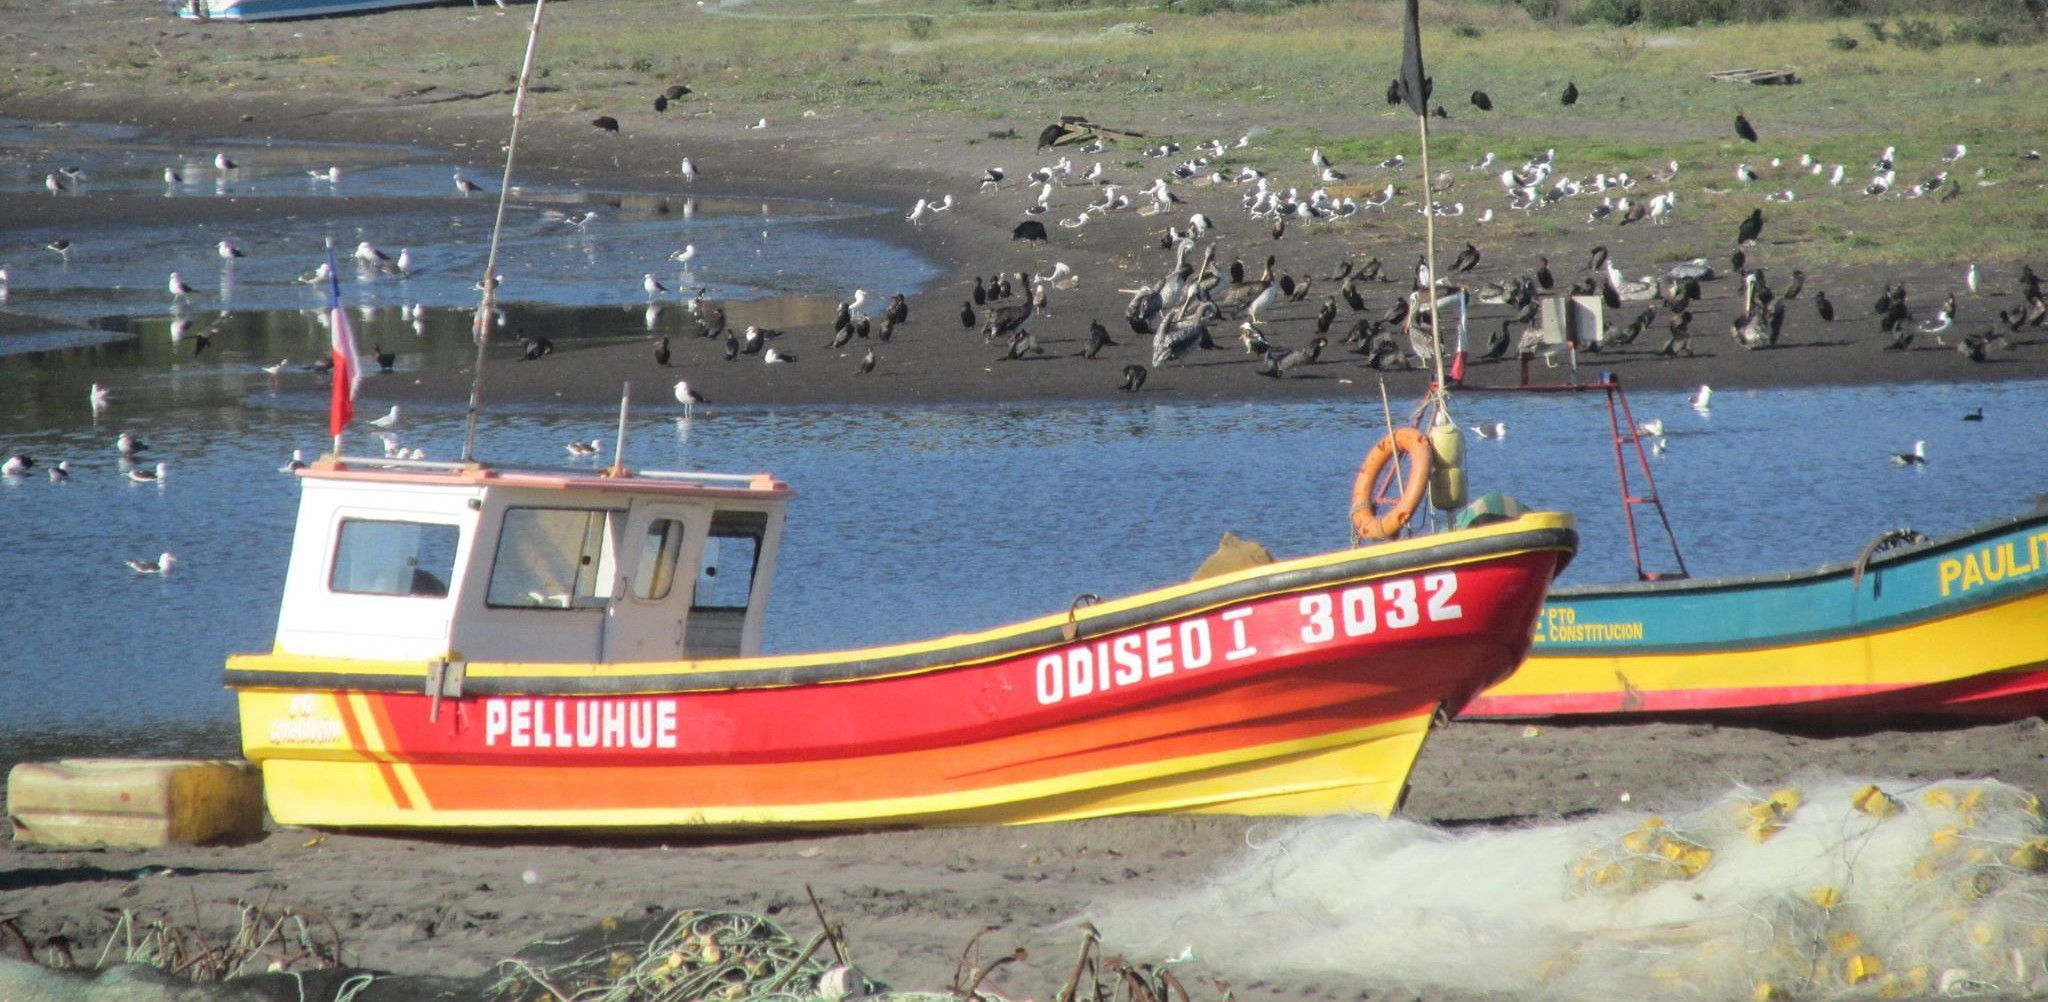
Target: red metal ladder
<point>1623,425</point>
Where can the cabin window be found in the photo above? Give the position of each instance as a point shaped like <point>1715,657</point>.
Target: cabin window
<point>655,573</point>
<point>554,558</point>
<point>725,573</point>
<point>380,557</point>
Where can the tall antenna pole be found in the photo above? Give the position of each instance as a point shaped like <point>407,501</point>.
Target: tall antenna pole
<point>487,309</point>
<point>1436,326</point>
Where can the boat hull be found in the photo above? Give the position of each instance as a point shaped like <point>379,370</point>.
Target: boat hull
<point>1306,687</point>
<point>1955,628</point>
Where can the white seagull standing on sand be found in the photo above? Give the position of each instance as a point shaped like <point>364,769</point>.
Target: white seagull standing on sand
<point>389,420</point>
<point>689,170</point>
<point>161,565</point>
<point>771,356</point>
<point>919,212</point>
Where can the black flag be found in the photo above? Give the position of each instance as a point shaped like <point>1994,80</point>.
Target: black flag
<point>1414,86</point>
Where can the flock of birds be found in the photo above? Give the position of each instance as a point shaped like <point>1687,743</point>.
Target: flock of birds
<point>1377,312</point>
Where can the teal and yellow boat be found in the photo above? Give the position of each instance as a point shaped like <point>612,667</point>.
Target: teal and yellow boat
<point>1954,627</point>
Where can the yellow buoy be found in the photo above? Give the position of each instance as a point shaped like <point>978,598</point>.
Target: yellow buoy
<point>1447,474</point>
<point>1874,802</point>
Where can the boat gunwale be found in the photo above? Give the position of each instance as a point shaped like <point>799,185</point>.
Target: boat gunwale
<point>1549,531</point>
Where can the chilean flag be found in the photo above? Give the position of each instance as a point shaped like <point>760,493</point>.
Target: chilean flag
<point>348,372</point>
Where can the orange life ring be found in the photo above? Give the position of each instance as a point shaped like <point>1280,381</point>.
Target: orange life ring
<point>1367,521</point>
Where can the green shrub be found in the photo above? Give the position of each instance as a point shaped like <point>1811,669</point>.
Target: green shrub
<point>1541,10</point>
<point>1914,33</point>
<point>920,26</point>
<point>1981,30</point>
<point>1842,42</point>
<point>1620,13</point>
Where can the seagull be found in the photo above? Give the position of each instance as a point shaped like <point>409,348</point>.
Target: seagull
<point>294,464</point>
<point>584,449</point>
<point>16,466</point>
<point>687,396</point>
<point>62,248</point>
<point>992,178</point>
<point>1654,428</point>
<point>466,186</point>
<point>60,473</point>
<point>179,290</point>
<point>332,175</point>
<point>172,176</point>
<point>228,251</point>
<point>759,123</point>
<point>920,212</point>
<point>147,476</point>
<point>689,170</point>
<point>772,357</point>
<point>1492,430</point>
<point>223,164</point>
<point>389,420</point>
<point>161,565</point>
<point>1970,278</point>
<point>98,398</point>
<point>1702,401</point>
<point>55,183</point>
<point>652,285</point>
<point>129,444</point>
<point>1918,457</point>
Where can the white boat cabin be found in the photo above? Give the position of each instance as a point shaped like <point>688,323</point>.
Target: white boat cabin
<point>419,560</point>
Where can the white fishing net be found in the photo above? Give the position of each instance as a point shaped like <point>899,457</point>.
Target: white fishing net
<point>1833,888</point>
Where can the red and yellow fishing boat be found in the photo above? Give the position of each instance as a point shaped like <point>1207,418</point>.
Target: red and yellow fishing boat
<point>468,646</point>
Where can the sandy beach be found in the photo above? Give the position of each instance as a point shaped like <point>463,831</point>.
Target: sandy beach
<point>911,900</point>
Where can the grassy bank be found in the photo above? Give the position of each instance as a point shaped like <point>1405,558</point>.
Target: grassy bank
<point>1304,75</point>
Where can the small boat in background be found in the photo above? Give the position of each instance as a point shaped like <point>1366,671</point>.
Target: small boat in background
<point>1954,627</point>
<point>1909,628</point>
<point>275,10</point>
<point>465,646</point>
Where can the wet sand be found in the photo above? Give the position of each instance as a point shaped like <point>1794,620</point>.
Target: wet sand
<point>933,358</point>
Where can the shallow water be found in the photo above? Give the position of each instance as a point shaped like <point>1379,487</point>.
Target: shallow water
<point>911,522</point>
<point>397,200</point>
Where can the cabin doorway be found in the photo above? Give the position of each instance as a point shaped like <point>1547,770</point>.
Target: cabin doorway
<point>648,618</point>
